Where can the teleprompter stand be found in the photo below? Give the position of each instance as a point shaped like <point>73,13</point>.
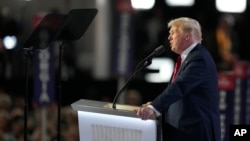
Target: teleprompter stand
<point>42,36</point>
<point>75,28</point>
<point>56,27</point>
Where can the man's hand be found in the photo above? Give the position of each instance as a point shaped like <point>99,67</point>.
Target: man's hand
<point>145,112</point>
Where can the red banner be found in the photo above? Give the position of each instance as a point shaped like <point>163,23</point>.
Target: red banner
<point>226,80</point>
<point>36,19</point>
<point>241,69</point>
<point>124,6</point>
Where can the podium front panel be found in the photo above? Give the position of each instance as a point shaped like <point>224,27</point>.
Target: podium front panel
<point>105,127</point>
<point>99,122</point>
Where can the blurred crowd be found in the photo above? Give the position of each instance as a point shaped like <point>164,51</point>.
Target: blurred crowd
<point>12,121</point>
<point>12,118</point>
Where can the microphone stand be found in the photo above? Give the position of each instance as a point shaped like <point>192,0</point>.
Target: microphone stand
<point>143,64</point>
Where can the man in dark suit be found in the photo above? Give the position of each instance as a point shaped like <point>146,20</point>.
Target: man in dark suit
<point>189,105</point>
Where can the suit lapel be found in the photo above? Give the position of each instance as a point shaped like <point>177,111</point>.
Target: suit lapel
<point>184,63</point>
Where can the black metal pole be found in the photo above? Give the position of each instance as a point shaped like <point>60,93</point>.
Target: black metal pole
<point>59,93</point>
<point>28,53</point>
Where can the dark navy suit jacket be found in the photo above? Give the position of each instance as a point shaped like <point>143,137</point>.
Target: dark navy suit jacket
<point>190,104</point>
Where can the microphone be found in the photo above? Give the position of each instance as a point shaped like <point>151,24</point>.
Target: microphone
<point>145,62</point>
<point>148,60</point>
<point>158,51</point>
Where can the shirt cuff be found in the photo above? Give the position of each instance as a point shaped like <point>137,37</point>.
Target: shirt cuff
<point>156,111</point>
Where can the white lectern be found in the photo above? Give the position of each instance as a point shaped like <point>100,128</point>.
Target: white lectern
<point>98,121</point>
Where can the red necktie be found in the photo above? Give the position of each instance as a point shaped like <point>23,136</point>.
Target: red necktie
<point>176,68</point>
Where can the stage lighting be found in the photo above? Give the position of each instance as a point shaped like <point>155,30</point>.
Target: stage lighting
<point>10,41</point>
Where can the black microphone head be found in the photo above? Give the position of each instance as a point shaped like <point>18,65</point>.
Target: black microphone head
<point>159,50</point>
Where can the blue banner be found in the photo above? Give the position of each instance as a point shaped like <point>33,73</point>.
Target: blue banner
<point>226,93</point>
<point>44,85</point>
<point>241,73</point>
<point>123,52</point>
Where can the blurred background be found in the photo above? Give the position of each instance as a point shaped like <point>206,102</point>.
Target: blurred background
<point>98,64</point>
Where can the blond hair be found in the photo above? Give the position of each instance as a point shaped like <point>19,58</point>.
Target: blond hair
<point>187,25</point>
